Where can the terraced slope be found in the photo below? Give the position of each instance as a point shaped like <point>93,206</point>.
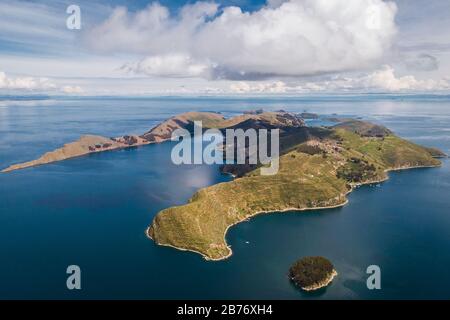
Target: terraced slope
<point>317,169</point>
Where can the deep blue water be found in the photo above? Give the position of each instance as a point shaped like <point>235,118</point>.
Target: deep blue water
<point>92,211</point>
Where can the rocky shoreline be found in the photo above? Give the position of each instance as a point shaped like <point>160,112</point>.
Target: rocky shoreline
<point>323,283</point>
<point>312,273</point>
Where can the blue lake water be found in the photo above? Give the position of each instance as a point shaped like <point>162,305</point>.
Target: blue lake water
<point>93,211</point>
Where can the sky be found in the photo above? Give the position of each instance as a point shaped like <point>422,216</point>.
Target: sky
<point>175,47</point>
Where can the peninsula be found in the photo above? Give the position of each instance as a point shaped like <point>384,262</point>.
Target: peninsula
<point>162,132</point>
<point>319,166</point>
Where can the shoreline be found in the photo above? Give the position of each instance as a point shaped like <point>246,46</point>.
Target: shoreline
<point>31,163</point>
<point>10,169</point>
<point>330,279</point>
<point>20,166</point>
<point>247,218</point>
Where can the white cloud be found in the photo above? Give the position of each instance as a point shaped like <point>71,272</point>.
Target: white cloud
<point>35,84</point>
<point>386,79</point>
<point>382,80</point>
<point>291,38</point>
<point>150,31</point>
<point>294,46</point>
<point>72,89</point>
<point>268,87</point>
<point>170,65</point>
<point>25,83</point>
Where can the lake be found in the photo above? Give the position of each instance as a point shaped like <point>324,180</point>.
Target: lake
<point>92,211</point>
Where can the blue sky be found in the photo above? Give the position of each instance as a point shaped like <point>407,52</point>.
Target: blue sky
<point>227,47</point>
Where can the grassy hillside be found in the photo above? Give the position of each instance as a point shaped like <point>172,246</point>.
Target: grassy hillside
<point>163,131</point>
<point>317,169</point>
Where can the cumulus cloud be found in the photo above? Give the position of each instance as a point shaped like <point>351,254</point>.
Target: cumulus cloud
<point>171,65</point>
<point>387,80</point>
<point>34,84</point>
<point>283,38</point>
<point>150,31</point>
<point>25,83</point>
<point>382,80</point>
<point>72,89</point>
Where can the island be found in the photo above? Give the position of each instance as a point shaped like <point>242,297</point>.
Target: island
<point>312,273</point>
<point>318,167</point>
<point>308,115</point>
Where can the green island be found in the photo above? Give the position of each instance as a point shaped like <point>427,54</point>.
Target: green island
<point>312,273</point>
<point>318,167</point>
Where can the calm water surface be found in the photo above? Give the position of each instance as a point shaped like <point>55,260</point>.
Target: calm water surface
<point>93,211</point>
